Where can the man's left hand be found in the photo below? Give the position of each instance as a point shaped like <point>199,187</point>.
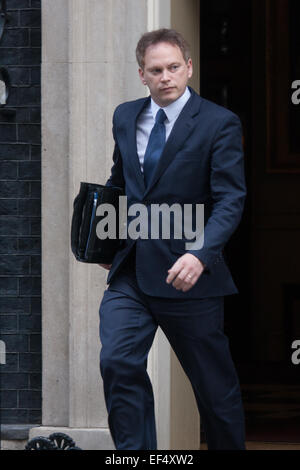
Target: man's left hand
<point>185,272</point>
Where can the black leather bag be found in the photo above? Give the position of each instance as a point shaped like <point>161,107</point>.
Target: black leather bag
<point>85,244</point>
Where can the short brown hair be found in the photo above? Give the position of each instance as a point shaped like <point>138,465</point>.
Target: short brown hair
<point>161,35</point>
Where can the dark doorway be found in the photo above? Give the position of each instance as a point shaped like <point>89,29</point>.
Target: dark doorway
<point>249,64</point>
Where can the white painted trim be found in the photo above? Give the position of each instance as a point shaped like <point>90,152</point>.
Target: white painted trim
<point>177,418</point>
<point>159,360</point>
<point>159,369</point>
<point>159,14</point>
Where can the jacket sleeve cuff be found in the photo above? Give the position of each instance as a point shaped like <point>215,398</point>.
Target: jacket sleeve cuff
<point>204,260</point>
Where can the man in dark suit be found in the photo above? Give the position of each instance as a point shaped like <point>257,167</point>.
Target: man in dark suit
<point>173,147</point>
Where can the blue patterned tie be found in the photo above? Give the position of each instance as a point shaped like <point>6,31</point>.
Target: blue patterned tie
<point>155,145</point>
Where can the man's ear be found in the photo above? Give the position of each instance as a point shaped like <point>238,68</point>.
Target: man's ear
<point>190,67</point>
<point>141,74</point>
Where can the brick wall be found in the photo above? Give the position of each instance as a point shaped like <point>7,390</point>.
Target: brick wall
<point>20,204</point>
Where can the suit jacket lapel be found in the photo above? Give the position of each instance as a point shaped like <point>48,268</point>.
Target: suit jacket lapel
<point>182,128</point>
<point>133,155</point>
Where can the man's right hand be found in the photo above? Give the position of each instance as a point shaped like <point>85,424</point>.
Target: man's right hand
<point>105,266</point>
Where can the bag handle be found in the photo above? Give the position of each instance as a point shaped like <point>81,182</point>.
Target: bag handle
<point>77,218</point>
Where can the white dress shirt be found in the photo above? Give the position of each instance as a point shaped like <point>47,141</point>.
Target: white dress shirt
<point>146,121</point>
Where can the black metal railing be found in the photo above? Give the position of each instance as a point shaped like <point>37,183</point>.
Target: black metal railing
<point>56,441</point>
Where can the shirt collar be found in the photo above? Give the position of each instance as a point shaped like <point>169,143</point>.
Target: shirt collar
<point>172,110</point>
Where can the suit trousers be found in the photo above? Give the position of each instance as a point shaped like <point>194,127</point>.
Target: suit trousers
<point>194,327</point>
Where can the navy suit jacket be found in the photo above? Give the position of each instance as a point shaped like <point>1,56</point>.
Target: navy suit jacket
<point>202,163</point>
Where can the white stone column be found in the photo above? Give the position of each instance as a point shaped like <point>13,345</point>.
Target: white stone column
<point>177,418</point>
<point>88,67</point>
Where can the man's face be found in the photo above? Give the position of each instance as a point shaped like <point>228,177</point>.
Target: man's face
<point>165,72</point>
